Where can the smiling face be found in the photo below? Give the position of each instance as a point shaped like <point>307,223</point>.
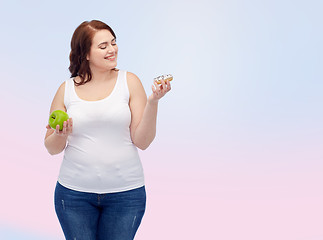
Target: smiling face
<point>104,51</point>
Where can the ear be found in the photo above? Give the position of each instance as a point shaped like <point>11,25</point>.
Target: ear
<point>87,57</point>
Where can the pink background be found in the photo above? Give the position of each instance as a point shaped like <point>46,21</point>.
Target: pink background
<point>238,152</point>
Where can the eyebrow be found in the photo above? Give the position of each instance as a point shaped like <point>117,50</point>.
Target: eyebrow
<point>107,42</point>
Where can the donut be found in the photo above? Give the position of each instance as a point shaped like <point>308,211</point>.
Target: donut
<point>166,77</point>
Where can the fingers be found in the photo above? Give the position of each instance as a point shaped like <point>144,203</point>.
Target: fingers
<point>159,90</point>
<point>64,127</point>
<point>165,86</point>
<point>155,87</point>
<point>57,129</point>
<point>67,128</point>
<point>168,86</point>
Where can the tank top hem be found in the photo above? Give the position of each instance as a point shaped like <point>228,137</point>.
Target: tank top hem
<point>115,190</point>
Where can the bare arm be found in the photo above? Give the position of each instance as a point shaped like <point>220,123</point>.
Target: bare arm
<point>143,111</point>
<point>55,140</point>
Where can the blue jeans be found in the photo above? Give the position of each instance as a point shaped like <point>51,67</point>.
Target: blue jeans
<point>91,216</point>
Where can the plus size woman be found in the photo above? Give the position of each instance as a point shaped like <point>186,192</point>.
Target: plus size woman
<point>100,193</point>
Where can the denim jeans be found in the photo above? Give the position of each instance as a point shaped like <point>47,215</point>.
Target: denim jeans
<point>91,216</point>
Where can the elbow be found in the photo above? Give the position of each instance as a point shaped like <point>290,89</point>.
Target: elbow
<point>143,142</point>
<point>143,145</point>
<point>52,151</point>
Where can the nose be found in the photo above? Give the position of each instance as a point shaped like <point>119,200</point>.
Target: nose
<point>111,49</point>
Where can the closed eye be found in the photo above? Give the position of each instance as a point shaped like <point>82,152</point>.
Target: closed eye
<point>103,44</point>
<point>104,47</point>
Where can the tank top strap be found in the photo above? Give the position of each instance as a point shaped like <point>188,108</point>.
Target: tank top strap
<point>68,94</point>
<point>123,85</point>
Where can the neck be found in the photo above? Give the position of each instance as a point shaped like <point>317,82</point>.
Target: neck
<point>101,76</point>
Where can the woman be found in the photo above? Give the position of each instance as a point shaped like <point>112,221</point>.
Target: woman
<point>100,192</point>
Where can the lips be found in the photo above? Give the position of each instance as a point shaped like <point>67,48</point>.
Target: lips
<point>112,57</point>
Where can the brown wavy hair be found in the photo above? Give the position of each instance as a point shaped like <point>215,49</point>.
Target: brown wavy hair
<point>80,47</point>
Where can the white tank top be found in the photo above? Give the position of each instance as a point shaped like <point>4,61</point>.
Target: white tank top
<point>100,156</point>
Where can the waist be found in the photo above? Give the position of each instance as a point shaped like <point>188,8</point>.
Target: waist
<point>105,171</point>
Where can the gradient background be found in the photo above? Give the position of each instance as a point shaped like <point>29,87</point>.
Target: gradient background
<point>238,152</point>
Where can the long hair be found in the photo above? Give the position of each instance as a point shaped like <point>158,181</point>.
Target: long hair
<point>80,48</point>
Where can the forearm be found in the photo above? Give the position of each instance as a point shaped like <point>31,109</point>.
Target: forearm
<point>55,144</point>
<point>146,129</point>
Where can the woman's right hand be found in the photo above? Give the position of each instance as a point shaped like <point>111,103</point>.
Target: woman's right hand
<point>67,128</point>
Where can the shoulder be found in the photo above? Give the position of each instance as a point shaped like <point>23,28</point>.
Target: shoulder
<point>133,81</point>
<point>62,86</point>
<point>58,101</point>
<point>132,77</point>
<point>134,84</point>
<point>61,89</point>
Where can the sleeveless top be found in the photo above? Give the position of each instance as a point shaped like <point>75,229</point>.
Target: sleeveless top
<point>100,156</point>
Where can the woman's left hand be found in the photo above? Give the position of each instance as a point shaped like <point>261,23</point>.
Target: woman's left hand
<point>159,90</point>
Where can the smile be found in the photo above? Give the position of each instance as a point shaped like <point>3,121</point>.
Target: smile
<point>111,58</point>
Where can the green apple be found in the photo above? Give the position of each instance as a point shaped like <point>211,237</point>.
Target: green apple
<point>57,117</point>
